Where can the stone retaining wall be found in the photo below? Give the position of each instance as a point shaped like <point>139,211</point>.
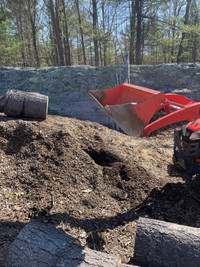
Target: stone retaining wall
<point>68,86</point>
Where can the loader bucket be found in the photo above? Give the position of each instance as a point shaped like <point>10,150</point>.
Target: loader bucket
<point>130,106</point>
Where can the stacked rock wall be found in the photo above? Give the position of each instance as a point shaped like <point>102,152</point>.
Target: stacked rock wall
<point>68,86</point>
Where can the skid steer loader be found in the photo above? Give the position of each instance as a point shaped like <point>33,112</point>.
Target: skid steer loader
<point>132,107</point>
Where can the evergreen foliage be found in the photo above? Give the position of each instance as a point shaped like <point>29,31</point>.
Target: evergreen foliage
<point>37,33</point>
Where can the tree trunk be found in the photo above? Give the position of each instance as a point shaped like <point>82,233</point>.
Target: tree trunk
<point>163,244</point>
<point>32,18</point>
<point>66,35</point>
<point>138,5</point>
<point>59,33</point>
<point>194,49</point>
<point>132,30</point>
<point>54,51</point>
<point>81,31</point>
<point>180,51</point>
<point>39,245</point>
<point>195,36</point>
<point>94,4</point>
<point>21,38</point>
<point>56,30</point>
<point>29,50</point>
<point>104,41</point>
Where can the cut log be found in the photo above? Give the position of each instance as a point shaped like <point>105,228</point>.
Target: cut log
<point>166,244</point>
<point>25,104</point>
<point>2,103</point>
<point>39,245</point>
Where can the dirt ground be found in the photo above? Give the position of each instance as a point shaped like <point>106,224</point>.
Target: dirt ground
<point>91,181</point>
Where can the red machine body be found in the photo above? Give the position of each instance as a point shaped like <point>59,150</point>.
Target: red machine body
<point>194,126</point>
<point>132,108</point>
<point>187,147</point>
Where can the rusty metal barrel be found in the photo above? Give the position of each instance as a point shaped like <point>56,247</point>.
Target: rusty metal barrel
<point>25,104</point>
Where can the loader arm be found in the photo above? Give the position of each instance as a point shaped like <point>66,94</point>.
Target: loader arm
<point>187,113</point>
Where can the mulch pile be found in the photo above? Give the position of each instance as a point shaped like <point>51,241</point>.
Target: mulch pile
<point>88,180</point>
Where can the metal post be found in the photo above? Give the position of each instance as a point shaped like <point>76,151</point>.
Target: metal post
<point>117,79</point>
<point>120,72</point>
<point>127,68</point>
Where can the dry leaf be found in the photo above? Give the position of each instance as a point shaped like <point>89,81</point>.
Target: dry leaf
<point>16,207</point>
<point>119,261</point>
<point>131,231</point>
<point>87,190</point>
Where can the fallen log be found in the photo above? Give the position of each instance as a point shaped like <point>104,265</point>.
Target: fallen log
<point>24,104</point>
<point>39,245</point>
<point>166,244</point>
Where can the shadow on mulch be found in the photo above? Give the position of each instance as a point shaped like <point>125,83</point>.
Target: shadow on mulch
<point>175,202</point>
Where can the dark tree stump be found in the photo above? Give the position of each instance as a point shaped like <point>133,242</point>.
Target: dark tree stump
<point>163,244</point>
<point>39,245</point>
<point>26,104</point>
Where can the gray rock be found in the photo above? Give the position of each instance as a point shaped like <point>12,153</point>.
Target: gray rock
<point>67,86</point>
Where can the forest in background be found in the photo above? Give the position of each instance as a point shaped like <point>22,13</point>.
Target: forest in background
<point>42,33</point>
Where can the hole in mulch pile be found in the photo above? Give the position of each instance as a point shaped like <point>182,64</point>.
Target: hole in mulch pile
<point>102,158</point>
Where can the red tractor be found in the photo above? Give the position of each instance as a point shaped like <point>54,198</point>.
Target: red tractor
<point>132,108</point>
<point>187,147</point>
